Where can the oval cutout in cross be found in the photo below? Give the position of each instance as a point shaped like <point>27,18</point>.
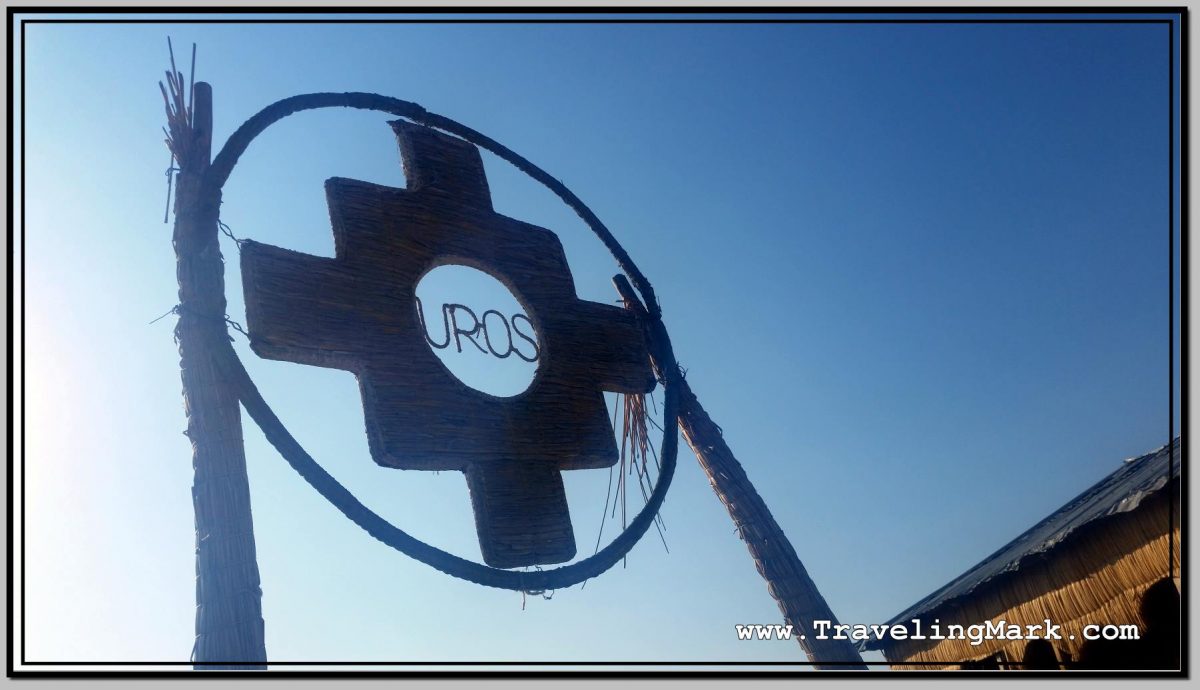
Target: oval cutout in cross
<point>494,349</point>
<point>455,318</point>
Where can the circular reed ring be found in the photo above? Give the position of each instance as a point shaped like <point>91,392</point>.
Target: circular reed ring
<point>658,341</point>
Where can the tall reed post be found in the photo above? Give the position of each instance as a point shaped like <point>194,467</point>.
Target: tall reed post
<point>787,580</point>
<point>229,623</point>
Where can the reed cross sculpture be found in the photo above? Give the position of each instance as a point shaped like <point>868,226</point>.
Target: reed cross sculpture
<point>357,312</point>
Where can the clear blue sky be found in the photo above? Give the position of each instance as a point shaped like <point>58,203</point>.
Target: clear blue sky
<point>918,273</point>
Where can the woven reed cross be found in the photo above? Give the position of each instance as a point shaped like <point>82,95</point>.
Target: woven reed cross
<point>358,312</point>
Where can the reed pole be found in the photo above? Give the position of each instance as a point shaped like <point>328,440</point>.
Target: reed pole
<point>229,623</point>
<point>787,579</point>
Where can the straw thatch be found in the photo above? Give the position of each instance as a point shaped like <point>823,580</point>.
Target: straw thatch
<point>1093,573</point>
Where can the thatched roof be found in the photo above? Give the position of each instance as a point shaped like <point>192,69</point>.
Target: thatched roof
<point>1120,492</point>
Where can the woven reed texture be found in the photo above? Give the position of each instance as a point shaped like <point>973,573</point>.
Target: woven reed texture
<point>661,353</point>
<point>229,624</point>
<point>358,312</point>
<point>278,436</point>
<point>787,580</point>
<point>238,142</point>
<point>1097,577</point>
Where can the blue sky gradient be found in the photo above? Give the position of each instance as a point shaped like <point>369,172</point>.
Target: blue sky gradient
<point>918,273</point>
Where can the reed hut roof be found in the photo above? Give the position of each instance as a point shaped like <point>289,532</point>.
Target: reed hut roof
<point>1120,492</point>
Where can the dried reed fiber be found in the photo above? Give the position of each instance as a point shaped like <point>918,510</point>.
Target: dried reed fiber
<point>229,624</point>
<point>636,451</point>
<point>179,104</point>
<point>635,446</point>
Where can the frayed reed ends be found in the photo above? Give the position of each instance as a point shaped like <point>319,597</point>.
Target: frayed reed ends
<point>180,119</point>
